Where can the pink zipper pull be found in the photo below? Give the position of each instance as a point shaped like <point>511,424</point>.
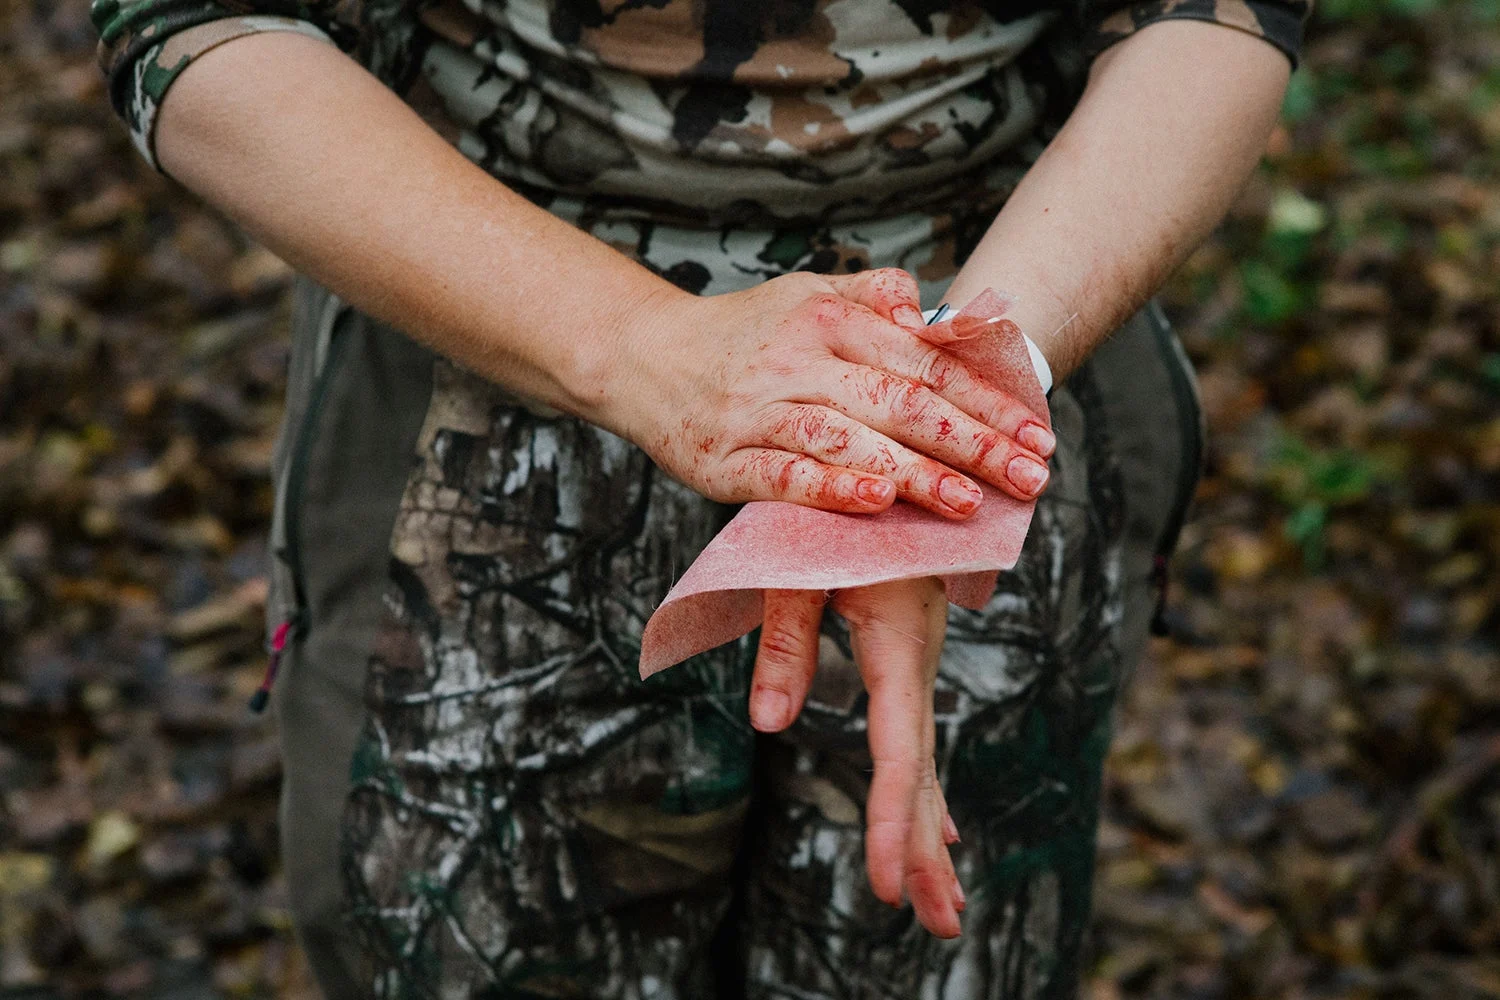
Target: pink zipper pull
<point>262,695</point>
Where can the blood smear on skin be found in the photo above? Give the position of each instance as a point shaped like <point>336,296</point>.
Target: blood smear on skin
<point>784,546</point>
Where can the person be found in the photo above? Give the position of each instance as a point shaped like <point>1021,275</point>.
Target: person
<point>580,274</point>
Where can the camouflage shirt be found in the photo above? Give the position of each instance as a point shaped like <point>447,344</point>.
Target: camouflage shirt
<point>706,112</point>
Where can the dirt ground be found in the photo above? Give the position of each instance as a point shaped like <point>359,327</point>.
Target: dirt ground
<point>1304,791</point>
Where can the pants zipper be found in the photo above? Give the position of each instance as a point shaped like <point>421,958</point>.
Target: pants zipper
<point>296,623</point>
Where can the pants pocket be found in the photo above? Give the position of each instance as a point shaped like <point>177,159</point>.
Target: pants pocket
<point>315,363</point>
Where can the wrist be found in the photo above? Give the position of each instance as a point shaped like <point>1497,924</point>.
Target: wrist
<point>608,378</point>
<point>1039,363</point>
<point>1048,317</point>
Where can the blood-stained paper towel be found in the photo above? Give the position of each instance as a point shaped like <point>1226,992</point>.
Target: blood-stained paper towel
<point>784,546</point>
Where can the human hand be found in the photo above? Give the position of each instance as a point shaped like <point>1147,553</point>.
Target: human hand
<point>897,631</point>
<point>826,391</point>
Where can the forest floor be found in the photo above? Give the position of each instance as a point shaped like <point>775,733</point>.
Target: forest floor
<point>1303,798</point>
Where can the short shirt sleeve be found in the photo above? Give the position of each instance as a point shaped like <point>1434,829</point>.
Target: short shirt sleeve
<point>1278,22</point>
<point>145,45</point>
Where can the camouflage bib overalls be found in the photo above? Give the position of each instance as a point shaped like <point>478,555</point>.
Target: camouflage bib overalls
<point>482,799</point>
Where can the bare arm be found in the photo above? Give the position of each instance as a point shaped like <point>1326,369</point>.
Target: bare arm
<point>355,190</point>
<point>416,234</point>
<point>1172,122</point>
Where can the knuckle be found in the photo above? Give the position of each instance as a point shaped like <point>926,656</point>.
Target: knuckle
<point>778,656</point>
<point>938,370</point>
<point>887,458</point>
<point>825,308</point>
<point>776,470</point>
<point>782,468</point>
<point>894,280</point>
<point>803,466</point>
<point>784,646</point>
<point>902,766</point>
<point>838,439</point>
<point>878,387</point>
<point>811,422</point>
<point>926,866</point>
<point>804,283</point>
<point>911,399</point>
<point>1006,413</point>
<point>833,487</point>
<point>769,421</point>
<point>929,363</point>
<point>985,442</point>
<point>825,430</point>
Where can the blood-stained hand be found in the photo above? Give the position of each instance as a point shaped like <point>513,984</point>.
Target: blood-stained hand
<point>826,391</point>
<point>897,632</point>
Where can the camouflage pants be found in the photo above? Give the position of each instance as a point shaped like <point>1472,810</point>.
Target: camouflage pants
<point>515,814</point>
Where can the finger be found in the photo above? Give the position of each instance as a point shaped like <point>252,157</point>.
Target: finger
<point>889,292</point>
<point>930,879</point>
<point>889,625</point>
<point>950,836</point>
<point>768,474</point>
<point>917,417</point>
<point>889,813</point>
<point>828,436</point>
<point>787,657</point>
<point>948,376</point>
<point>950,828</point>
<point>893,679</point>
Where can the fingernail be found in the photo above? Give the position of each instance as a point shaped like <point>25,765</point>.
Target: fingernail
<point>907,316</point>
<point>1028,475</point>
<point>959,494</point>
<point>950,829</point>
<point>769,708</point>
<point>875,491</point>
<point>959,902</point>
<point>1038,438</point>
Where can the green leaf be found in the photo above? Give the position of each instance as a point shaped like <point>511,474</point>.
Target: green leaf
<point>1306,526</point>
<point>1343,477</point>
<point>1269,296</point>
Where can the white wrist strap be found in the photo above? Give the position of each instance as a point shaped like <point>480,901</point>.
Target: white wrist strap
<point>1038,361</point>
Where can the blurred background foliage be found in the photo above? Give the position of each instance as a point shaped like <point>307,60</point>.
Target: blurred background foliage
<point>1304,793</point>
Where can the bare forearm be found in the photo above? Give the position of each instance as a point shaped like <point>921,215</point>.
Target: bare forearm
<point>760,394</point>
<point>1172,122</point>
<point>333,172</point>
